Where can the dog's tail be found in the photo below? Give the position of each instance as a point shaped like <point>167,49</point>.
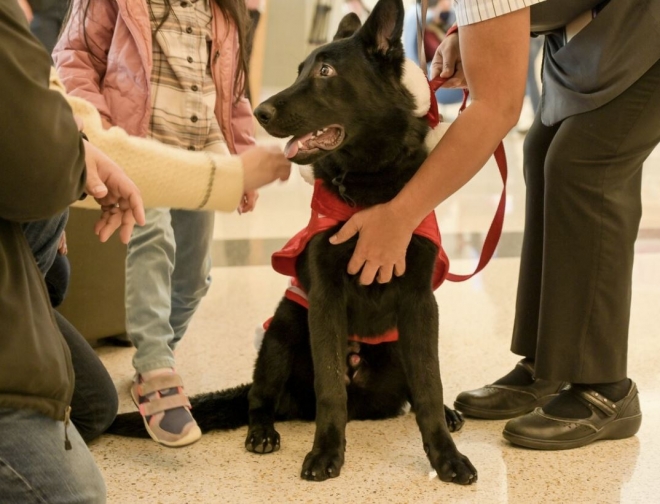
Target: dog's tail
<point>224,410</point>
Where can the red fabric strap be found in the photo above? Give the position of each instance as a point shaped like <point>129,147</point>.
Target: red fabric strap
<point>329,210</point>
<point>495,230</point>
<point>452,30</point>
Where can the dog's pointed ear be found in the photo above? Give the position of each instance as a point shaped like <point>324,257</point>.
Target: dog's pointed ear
<point>349,24</point>
<point>383,28</point>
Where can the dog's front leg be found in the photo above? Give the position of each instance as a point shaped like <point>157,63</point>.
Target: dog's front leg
<point>328,333</point>
<point>418,344</point>
<point>287,330</point>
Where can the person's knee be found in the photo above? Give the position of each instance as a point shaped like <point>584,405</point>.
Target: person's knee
<point>98,421</point>
<point>107,415</point>
<point>192,296</point>
<point>35,467</point>
<point>101,410</point>
<point>534,156</point>
<point>561,175</point>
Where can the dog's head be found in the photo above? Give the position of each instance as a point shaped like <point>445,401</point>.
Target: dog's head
<point>348,92</point>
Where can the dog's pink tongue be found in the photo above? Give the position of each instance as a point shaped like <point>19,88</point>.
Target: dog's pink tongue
<point>292,146</point>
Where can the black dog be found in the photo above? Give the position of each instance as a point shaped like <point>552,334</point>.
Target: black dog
<point>351,117</point>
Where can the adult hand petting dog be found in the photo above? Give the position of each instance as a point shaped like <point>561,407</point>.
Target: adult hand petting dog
<point>497,93</point>
<point>381,248</point>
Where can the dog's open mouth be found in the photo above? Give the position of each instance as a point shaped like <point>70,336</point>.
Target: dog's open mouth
<point>328,138</point>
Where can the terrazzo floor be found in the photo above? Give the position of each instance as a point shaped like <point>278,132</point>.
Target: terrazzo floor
<point>385,462</point>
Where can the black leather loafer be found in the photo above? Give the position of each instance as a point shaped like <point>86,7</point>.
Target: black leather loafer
<point>608,420</point>
<point>497,402</point>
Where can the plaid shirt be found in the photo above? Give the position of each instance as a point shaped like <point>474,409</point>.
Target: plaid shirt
<point>473,11</point>
<point>183,93</point>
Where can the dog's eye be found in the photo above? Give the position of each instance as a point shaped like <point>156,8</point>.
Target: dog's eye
<point>326,70</point>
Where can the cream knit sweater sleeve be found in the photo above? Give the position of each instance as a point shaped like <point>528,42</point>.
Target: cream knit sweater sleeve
<point>167,176</point>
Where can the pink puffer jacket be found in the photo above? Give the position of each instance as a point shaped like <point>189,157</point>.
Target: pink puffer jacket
<point>117,80</point>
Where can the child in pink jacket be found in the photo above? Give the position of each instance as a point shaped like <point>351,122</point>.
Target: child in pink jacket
<point>173,71</point>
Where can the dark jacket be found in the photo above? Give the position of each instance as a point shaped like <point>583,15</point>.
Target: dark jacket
<point>42,170</point>
<point>603,60</point>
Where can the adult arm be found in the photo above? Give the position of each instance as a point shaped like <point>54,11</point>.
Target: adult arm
<point>494,57</point>
<point>41,152</point>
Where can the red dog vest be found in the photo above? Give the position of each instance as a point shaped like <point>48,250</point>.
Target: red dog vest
<point>328,210</point>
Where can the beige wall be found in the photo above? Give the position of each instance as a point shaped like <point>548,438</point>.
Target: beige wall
<point>286,41</point>
<point>289,22</point>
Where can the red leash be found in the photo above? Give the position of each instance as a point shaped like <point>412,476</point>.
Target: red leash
<point>495,230</point>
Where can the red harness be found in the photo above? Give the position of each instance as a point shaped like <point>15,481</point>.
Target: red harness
<point>328,210</point>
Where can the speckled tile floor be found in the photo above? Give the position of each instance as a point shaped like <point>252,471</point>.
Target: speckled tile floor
<point>384,459</point>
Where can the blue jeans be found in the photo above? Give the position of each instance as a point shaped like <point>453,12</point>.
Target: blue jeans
<point>94,403</point>
<point>36,468</point>
<point>43,237</point>
<point>167,275</point>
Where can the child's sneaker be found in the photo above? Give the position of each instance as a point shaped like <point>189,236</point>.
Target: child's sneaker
<point>165,409</point>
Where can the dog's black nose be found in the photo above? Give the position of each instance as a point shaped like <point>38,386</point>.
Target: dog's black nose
<point>264,113</point>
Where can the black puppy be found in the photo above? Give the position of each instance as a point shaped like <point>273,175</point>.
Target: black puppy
<point>352,118</point>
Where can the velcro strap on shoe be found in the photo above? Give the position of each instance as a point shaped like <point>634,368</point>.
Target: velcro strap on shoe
<point>160,382</point>
<point>527,367</point>
<point>161,404</point>
<point>598,400</point>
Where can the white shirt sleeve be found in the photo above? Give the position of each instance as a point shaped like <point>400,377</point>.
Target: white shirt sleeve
<point>473,11</point>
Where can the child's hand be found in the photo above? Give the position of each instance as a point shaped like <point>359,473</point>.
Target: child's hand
<point>248,202</point>
<point>263,165</point>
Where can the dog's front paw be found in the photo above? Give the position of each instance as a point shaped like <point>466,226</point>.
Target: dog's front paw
<point>454,468</point>
<point>319,466</point>
<point>455,420</point>
<point>262,439</point>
